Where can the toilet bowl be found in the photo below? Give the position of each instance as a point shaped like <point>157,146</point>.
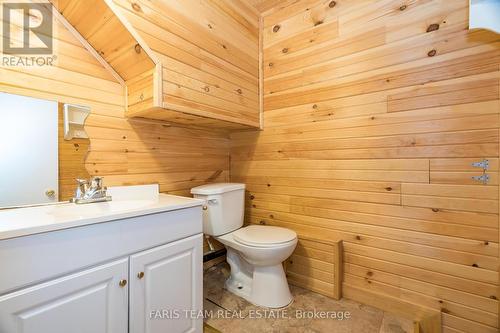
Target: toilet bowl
<point>256,269</point>
<point>255,253</point>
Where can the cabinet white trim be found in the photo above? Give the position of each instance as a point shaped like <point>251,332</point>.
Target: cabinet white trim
<point>88,301</point>
<point>166,288</point>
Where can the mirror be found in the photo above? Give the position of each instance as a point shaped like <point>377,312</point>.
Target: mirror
<point>485,14</point>
<point>42,151</point>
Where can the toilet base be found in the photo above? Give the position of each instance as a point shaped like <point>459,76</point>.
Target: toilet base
<point>265,286</point>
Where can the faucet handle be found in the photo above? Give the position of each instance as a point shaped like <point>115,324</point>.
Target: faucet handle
<point>80,181</point>
<point>96,182</point>
<point>81,188</point>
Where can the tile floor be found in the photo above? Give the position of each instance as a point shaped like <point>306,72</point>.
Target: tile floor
<point>232,314</point>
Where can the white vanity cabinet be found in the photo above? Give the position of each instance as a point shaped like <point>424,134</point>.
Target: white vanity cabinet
<point>106,277</point>
<point>165,284</point>
<point>88,301</point>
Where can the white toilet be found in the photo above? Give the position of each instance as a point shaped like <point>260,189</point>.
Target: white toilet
<point>254,253</point>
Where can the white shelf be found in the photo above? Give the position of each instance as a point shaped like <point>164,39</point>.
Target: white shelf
<point>74,121</point>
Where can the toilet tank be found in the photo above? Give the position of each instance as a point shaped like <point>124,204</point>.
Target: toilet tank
<point>224,208</point>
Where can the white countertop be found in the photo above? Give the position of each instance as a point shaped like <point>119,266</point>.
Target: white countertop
<point>19,222</point>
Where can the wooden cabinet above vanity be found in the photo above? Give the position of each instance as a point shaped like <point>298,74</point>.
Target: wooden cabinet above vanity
<point>184,62</point>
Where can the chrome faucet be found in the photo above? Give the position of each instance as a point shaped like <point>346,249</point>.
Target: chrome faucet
<point>89,191</point>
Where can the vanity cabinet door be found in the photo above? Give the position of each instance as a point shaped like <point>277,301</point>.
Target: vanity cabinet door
<point>93,300</point>
<point>166,288</point>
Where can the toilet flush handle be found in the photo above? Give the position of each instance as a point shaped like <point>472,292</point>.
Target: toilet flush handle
<point>210,202</point>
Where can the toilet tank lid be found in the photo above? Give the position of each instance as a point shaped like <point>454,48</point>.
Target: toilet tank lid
<point>217,188</point>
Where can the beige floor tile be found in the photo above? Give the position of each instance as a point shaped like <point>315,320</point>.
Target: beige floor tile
<point>363,319</point>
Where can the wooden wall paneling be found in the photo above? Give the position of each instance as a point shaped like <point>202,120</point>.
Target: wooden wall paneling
<point>261,71</point>
<point>141,92</point>
<point>371,128</point>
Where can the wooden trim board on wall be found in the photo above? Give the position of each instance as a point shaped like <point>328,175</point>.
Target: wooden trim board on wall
<point>326,278</point>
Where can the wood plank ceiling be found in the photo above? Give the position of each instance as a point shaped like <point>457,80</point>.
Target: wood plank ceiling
<point>263,6</point>
<point>374,112</point>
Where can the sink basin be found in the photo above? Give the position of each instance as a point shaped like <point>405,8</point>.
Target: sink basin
<point>30,220</point>
<point>86,210</point>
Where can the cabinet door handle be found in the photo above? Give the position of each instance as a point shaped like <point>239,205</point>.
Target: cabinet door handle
<point>140,275</point>
<point>122,283</point>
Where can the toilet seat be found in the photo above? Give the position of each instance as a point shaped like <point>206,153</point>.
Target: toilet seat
<point>264,236</point>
